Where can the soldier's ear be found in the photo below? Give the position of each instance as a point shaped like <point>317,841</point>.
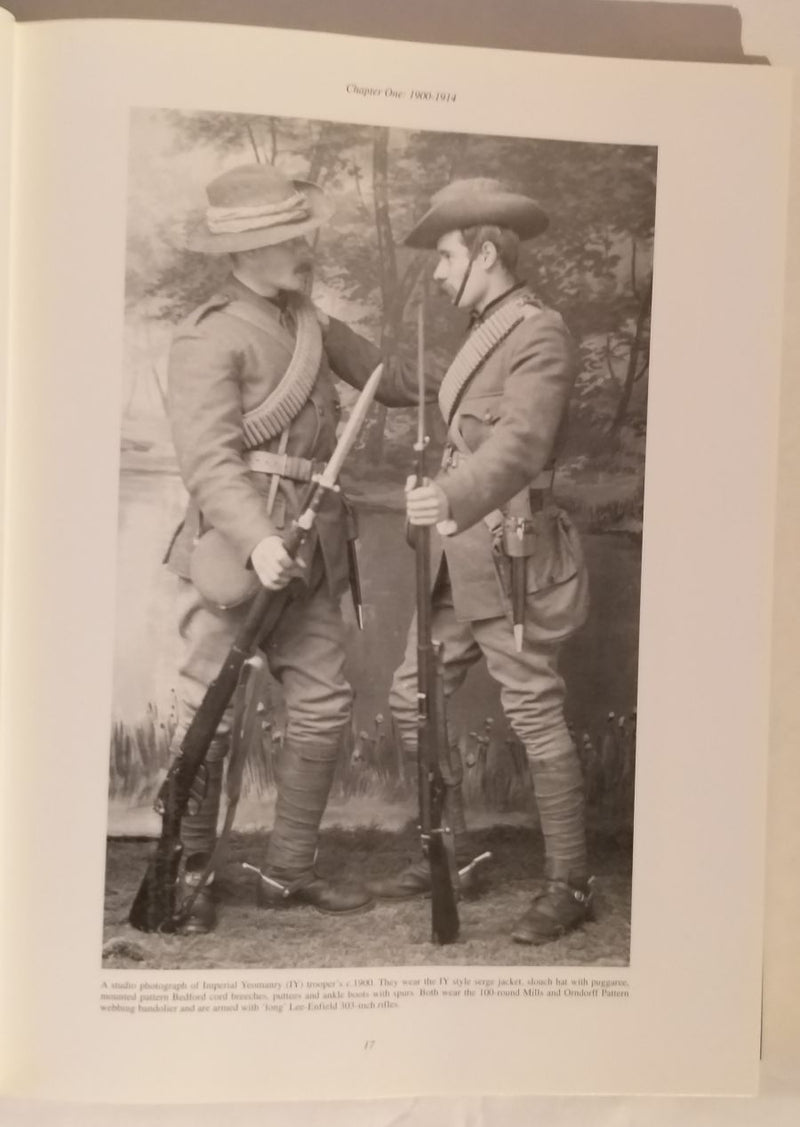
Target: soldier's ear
<point>489,254</point>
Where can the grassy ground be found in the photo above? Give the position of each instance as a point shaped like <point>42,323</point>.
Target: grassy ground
<point>389,934</point>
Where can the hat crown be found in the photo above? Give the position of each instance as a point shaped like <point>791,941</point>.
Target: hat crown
<point>472,189</point>
<point>475,202</point>
<point>249,185</point>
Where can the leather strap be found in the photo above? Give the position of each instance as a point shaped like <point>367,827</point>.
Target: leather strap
<point>284,402</point>
<point>283,465</point>
<point>477,349</point>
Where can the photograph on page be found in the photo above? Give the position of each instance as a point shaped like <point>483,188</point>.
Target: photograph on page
<point>461,793</point>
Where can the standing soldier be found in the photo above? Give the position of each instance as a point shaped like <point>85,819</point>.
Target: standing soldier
<point>253,410</point>
<point>504,400</point>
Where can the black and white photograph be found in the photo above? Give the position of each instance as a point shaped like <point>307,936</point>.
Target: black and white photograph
<point>381,506</point>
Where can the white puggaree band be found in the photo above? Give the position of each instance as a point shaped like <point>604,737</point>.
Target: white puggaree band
<point>232,220</point>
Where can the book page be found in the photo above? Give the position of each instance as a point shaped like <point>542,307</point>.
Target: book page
<point>702,699</point>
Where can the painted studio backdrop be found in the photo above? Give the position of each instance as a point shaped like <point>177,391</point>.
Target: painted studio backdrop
<point>593,264</point>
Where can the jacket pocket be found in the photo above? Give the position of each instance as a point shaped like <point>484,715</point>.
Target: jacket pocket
<point>476,417</point>
<point>483,407</point>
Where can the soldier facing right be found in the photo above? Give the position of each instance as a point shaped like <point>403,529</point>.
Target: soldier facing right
<point>504,400</point>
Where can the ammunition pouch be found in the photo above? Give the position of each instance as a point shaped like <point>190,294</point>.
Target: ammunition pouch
<point>546,539</point>
<point>218,572</point>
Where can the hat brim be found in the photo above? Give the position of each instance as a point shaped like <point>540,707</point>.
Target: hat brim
<point>500,209</point>
<point>200,239</point>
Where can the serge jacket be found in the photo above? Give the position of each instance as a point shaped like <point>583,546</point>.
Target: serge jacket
<point>511,417</point>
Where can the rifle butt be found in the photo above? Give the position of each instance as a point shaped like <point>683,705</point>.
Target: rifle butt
<point>444,908</point>
<point>153,908</point>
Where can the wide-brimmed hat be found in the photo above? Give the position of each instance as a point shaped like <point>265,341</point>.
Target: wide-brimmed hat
<point>475,203</point>
<point>253,206</point>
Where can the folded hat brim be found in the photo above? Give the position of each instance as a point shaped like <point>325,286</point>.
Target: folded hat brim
<point>200,239</point>
<point>501,209</point>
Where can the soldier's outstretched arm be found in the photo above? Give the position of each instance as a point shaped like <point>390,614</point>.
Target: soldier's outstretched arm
<point>352,358</point>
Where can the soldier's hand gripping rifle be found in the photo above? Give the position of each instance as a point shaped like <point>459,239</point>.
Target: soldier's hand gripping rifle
<point>431,722</point>
<point>154,908</point>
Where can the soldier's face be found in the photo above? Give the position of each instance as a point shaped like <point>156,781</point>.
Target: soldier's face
<point>452,266</point>
<point>285,266</point>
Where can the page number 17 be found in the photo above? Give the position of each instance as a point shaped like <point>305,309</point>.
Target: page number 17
<point>369,1045</point>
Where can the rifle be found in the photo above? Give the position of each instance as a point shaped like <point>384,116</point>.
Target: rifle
<point>431,721</point>
<point>153,909</point>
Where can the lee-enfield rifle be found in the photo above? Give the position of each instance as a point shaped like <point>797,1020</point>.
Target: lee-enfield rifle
<point>431,720</point>
<point>154,908</point>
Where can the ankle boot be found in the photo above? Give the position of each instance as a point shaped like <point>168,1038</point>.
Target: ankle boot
<point>414,879</point>
<point>561,904</point>
<point>289,877</point>
<point>328,896</point>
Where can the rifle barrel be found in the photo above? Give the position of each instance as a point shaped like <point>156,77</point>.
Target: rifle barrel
<point>444,911</point>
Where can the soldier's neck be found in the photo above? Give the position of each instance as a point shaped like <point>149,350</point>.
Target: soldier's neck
<point>498,284</point>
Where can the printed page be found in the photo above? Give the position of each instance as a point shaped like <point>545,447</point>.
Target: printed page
<point>129,130</point>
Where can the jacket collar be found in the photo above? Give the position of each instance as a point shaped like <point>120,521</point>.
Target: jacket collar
<point>478,318</point>
<point>238,291</point>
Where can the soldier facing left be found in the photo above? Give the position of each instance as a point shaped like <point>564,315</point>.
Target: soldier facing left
<point>253,409</point>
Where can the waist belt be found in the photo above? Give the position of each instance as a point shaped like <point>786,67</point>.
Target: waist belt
<point>284,465</point>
